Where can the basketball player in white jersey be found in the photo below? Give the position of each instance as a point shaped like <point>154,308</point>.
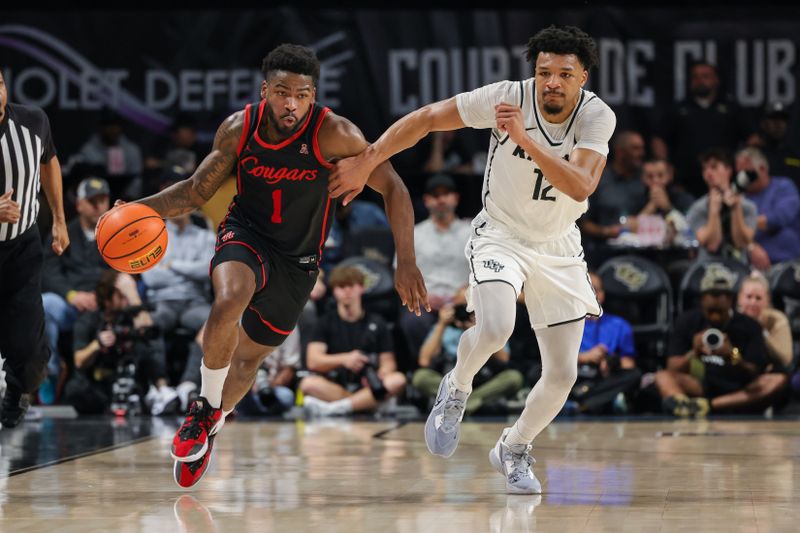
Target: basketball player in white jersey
<point>548,147</point>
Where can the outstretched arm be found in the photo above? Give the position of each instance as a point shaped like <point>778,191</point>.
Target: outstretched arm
<point>191,193</point>
<point>351,174</point>
<point>340,138</point>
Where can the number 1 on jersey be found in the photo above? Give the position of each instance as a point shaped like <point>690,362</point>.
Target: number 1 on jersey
<point>276,207</point>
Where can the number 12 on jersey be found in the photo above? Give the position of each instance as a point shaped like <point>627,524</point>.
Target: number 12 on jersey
<point>276,207</point>
<point>539,192</point>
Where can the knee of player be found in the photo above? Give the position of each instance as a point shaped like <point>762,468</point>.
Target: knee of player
<point>561,378</point>
<point>496,332</point>
<point>230,302</point>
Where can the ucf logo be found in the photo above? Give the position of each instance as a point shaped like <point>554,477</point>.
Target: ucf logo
<point>491,264</point>
<point>719,270</point>
<point>630,275</point>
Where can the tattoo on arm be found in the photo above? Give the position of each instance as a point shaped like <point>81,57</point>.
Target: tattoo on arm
<point>191,193</point>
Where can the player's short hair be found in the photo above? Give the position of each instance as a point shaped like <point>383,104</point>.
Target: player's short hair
<point>716,154</point>
<point>292,58</point>
<point>564,40</point>
<point>344,276</point>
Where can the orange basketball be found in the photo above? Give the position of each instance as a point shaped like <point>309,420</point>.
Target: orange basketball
<point>131,238</point>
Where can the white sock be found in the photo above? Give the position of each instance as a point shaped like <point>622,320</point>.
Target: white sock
<point>211,384</point>
<point>495,305</point>
<point>514,437</point>
<point>341,407</point>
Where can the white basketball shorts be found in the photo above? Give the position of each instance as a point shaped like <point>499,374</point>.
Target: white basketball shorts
<point>552,274</point>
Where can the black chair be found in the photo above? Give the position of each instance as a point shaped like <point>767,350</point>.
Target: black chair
<point>639,291</point>
<point>374,242</point>
<point>379,294</point>
<point>784,287</point>
<point>689,293</point>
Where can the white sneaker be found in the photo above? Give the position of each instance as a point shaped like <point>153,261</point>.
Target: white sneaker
<point>315,407</point>
<point>184,390</point>
<point>442,426</point>
<point>165,398</point>
<point>515,463</point>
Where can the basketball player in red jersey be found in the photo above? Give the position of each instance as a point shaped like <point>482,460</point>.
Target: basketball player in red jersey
<point>269,246</point>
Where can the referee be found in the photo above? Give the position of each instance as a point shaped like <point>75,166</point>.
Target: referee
<point>27,162</point>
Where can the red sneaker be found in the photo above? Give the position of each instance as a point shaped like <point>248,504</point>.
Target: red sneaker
<point>188,474</point>
<point>191,440</point>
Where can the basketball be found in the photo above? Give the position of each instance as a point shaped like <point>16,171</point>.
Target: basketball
<point>132,238</point>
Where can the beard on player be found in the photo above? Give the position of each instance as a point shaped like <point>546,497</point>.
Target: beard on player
<point>552,107</point>
<point>280,121</point>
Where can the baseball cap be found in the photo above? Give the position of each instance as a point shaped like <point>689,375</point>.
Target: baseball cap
<point>716,284</point>
<point>440,180</point>
<point>776,109</point>
<point>92,187</point>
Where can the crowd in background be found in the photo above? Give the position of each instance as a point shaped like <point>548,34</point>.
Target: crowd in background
<point>705,213</point>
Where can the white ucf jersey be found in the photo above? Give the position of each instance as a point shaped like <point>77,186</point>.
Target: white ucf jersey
<point>516,194</point>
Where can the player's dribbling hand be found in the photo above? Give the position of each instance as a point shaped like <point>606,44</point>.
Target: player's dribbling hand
<point>509,119</point>
<point>348,178</point>
<point>411,287</point>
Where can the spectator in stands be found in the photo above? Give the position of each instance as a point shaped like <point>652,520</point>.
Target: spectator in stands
<point>705,119</point>
<point>607,373</point>
<point>69,280</point>
<point>754,301</point>
<point>109,153</point>
<point>356,215</point>
<point>183,150</point>
<point>178,285</point>
<point>621,193</point>
<point>118,353</point>
<point>717,359</point>
<point>664,200</point>
<point>773,140</point>
<point>777,237</point>
<point>351,354</point>
<point>272,392</point>
<point>448,153</point>
<point>439,243</point>
<point>723,220</point>
<point>438,354</point>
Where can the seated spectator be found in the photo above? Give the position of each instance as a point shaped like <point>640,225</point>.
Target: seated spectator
<point>356,215</point>
<point>69,280</point>
<point>178,285</point>
<point>439,244</point>
<point>754,301</point>
<point>607,374</point>
<point>621,194</point>
<point>118,354</point>
<point>351,354</point>
<point>773,140</point>
<point>109,153</point>
<point>272,393</point>
<point>778,224</point>
<point>438,355</point>
<point>717,359</point>
<point>723,221</point>
<point>665,201</point>
<point>182,150</point>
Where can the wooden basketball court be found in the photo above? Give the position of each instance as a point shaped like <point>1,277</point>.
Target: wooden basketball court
<point>343,476</point>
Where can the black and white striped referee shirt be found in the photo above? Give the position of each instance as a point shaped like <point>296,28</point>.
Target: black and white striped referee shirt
<point>25,143</point>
